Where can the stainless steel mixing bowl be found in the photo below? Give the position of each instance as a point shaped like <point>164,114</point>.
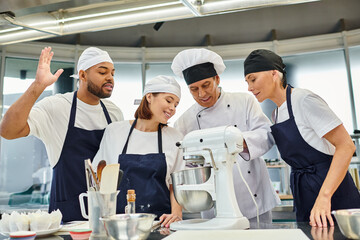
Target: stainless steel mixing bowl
<point>349,222</point>
<point>129,226</point>
<point>190,200</point>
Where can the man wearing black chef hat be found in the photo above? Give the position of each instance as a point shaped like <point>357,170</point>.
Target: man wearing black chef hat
<point>71,125</point>
<point>201,69</point>
<point>310,138</point>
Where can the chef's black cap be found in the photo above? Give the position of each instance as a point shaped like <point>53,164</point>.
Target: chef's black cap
<point>197,64</point>
<point>263,60</point>
<point>199,72</point>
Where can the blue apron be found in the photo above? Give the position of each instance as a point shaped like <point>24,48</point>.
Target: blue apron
<point>308,169</point>
<point>146,174</point>
<point>69,173</point>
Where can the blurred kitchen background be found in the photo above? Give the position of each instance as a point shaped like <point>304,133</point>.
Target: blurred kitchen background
<point>318,40</point>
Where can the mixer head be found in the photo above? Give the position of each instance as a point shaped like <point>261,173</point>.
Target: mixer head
<point>197,145</point>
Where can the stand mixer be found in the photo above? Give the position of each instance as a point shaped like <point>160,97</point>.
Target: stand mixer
<point>196,191</point>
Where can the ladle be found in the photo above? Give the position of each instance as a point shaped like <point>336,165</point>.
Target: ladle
<point>100,167</point>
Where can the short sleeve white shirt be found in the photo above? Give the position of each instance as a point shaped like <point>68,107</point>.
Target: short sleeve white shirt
<point>313,118</point>
<point>140,142</point>
<point>49,118</point>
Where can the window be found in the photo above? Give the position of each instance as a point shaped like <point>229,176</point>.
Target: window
<point>128,87</point>
<point>31,189</point>
<point>355,74</point>
<point>232,79</point>
<point>324,73</point>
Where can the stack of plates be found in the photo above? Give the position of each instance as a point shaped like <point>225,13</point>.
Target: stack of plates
<point>23,235</point>
<point>18,235</point>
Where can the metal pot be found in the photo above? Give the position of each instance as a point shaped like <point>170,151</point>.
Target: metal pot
<point>192,200</point>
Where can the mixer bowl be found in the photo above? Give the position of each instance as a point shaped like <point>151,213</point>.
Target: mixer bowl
<point>192,200</point>
<point>349,222</point>
<point>129,226</point>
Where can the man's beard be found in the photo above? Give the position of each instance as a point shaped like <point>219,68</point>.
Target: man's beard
<point>97,91</point>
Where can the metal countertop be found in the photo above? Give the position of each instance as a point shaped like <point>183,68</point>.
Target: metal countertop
<point>312,233</point>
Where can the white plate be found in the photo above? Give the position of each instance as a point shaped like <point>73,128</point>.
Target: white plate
<point>39,233</point>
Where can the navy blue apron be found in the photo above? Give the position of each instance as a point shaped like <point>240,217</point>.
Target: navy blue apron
<point>146,174</point>
<point>69,173</point>
<point>308,169</point>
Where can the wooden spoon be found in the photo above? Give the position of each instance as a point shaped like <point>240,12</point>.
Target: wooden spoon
<point>109,177</point>
<point>100,167</point>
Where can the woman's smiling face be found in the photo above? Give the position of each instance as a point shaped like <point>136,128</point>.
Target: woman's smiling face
<point>163,106</point>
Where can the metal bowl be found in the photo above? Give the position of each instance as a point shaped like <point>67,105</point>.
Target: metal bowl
<point>191,200</point>
<point>349,222</point>
<point>129,226</point>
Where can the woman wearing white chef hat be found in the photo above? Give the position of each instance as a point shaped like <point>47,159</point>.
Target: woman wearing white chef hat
<point>213,108</point>
<point>70,125</point>
<point>310,138</point>
<point>146,150</point>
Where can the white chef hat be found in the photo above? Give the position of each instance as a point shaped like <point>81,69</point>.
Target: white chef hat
<point>163,84</point>
<point>197,64</point>
<point>90,57</point>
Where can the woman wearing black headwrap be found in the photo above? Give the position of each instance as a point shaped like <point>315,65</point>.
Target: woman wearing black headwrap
<point>310,138</point>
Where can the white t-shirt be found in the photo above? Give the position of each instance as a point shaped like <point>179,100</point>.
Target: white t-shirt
<point>49,119</point>
<point>313,118</point>
<point>140,142</point>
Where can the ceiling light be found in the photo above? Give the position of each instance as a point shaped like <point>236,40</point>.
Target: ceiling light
<point>10,29</point>
<point>100,14</point>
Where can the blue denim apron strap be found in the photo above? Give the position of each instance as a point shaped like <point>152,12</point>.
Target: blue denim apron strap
<point>107,116</point>
<point>131,130</point>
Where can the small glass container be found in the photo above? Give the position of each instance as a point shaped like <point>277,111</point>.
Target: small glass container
<point>131,196</point>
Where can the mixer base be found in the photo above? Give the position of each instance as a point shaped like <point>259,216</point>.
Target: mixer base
<point>211,224</point>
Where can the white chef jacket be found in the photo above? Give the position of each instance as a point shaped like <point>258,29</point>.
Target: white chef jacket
<point>244,112</point>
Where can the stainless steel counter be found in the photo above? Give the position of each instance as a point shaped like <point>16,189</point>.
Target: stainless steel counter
<point>312,233</point>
